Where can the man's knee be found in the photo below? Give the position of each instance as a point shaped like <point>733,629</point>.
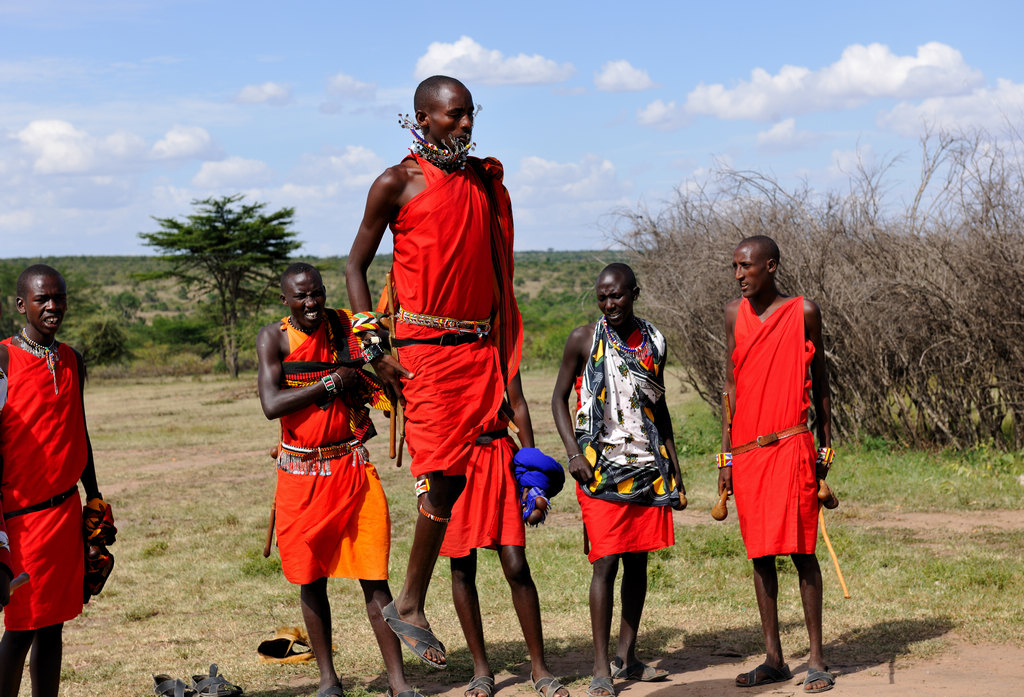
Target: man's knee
<point>464,569</point>
<point>444,491</point>
<point>606,568</point>
<point>515,566</point>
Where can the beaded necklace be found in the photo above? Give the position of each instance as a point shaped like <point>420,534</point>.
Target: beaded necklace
<point>297,328</point>
<point>622,346</point>
<point>49,353</point>
<point>447,160</point>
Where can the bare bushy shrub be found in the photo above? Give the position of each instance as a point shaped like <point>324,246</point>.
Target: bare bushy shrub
<point>922,303</point>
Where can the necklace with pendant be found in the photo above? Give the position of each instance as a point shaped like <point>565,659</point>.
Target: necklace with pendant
<point>48,353</point>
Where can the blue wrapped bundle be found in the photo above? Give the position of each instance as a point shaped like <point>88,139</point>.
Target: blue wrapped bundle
<point>540,478</point>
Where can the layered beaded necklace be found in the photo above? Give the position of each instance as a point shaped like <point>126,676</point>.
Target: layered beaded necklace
<point>446,160</point>
<point>48,353</point>
<point>620,345</point>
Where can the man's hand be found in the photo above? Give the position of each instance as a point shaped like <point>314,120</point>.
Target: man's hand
<point>724,480</point>
<point>390,373</point>
<point>680,501</point>
<point>5,587</point>
<point>580,469</point>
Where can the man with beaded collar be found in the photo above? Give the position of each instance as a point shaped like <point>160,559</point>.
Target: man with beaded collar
<point>457,324</point>
<point>46,452</point>
<point>774,354</point>
<point>621,453</point>
<point>332,516</point>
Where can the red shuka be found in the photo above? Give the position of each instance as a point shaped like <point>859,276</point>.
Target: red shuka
<point>774,486</point>
<point>488,512</point>
<point>453,258</point>
<point>43,441</point>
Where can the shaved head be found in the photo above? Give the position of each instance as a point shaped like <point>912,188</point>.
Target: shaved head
<point>297,269</point>
<point>427,92</point>
<point>623,271</point>
<point>766,245</point>
<point>34,271</point>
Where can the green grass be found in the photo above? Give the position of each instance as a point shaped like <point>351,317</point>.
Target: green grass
<point>184,463</point>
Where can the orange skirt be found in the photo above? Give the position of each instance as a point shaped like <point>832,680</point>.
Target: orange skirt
<point>488,512</point>
<point>620,528</point>
<point>357,540</point>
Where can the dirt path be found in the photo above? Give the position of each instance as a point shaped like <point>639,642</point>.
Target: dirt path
<point>959,670</point>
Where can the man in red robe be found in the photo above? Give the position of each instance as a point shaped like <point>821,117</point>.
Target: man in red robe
<point>774,356</point>
<point>331,513</point>
<point>457,324</point>
<point>46,451</point>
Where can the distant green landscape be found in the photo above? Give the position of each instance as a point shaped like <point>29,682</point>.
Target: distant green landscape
<point>130,327</point>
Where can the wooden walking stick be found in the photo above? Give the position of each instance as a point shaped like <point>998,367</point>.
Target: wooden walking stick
<point>832,552</point>
<point>396,423</point>
<point>721,509</point>
<point>268,543</point>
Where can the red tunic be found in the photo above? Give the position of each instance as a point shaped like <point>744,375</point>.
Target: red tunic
<point>774,486</point>
<point>43,441</point>
<point>443,266</point>
<point>488,512</point>
<point>332,521</point>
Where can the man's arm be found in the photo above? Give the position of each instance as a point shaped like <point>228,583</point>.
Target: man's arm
<point>575,353</point>
<point>275,400</point>
<point>821,393</point>
<point>522,411</point>
<point>5,360</point>
<point>382,203</point>
<point>731,311</point>
<point>663,422</point>
<point>92,490</point>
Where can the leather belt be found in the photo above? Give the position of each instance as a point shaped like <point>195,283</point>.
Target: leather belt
<point>492,436</point>
<point>323,452</point>
<point>762,441</point>
<point>442,340</point>
<point>43,505</point>
<point>446,323</point>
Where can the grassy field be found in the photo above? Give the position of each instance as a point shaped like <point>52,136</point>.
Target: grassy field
<point>931,545</point>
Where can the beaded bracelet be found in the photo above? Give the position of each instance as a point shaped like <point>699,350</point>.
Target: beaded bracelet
<point>328,381</point>
<point>372,352</point>
<point>422,486</point>
<point>431,516</point>
<point>365,322</point>
<point>723,460</point>
<point>825,458</point>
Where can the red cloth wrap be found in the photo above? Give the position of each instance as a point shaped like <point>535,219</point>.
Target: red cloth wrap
<point>774,487</point>
<point>328,525</point>
<point>453,258</point>
<point>43,441</point>
<point>488,512</point>
<point>617,528</point>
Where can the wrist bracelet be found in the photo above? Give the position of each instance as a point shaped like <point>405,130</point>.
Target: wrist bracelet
<point>572,456</point>
<point>372,352</point>
<point>328,381</point>
<point>723,460</point>
<point>825,457</point>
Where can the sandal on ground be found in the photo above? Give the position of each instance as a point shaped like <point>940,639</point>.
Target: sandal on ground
<point>214,684</point>
<point>166,686</point>
<point>547,687</point>
<point>822,675</point>
<point>404,693</point>
<point>599,685</point>
<point>481,683</point>
<point>332,691</point>
<point>768,675</point>
<point>289,645</point>
<point>416,639</point>
<point>636,671</point>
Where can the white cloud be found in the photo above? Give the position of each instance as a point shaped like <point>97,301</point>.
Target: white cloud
<point>274,93</point>
<point>234,172</point>
<point>620,76</point>
<point>861,73</point>
<point>353,167</point>
<point>985,107</point>
<point>785,136</point>
<point>663,116</point>
<point>58,147</point>
<point>469,61</point>
<point>347,86</point>
<point>182,142</point>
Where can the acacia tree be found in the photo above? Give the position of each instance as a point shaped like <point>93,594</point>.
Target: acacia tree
<point>234,251</point>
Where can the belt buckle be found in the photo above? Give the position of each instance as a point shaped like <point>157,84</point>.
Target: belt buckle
<point>767,440</point>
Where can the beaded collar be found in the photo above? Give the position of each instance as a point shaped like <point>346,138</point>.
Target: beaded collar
<point>297,328</point>
<point>49,353</point>
<point>620,345</point>
<point>447,160</point>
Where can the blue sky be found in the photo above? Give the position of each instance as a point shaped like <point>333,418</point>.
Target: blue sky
<point>115,111</point>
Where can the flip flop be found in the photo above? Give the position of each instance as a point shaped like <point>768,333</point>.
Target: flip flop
<point>768,675</point>
<point>289,645</point>
<point>598,684</point>
<point>332,691</point>
<point>816,675</point>
<point>424,638</point>
<point>404,693</point>
<point>214,684</point>
<point>547,687</point>
<point>636,671</point>
<point>481,683</point>
<point>166,686</point>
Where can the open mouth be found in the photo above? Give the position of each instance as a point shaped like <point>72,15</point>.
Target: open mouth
<point>51,320</point>
<point>311,314</point>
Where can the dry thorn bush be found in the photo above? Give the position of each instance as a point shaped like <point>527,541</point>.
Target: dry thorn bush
<point>922,306</point>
